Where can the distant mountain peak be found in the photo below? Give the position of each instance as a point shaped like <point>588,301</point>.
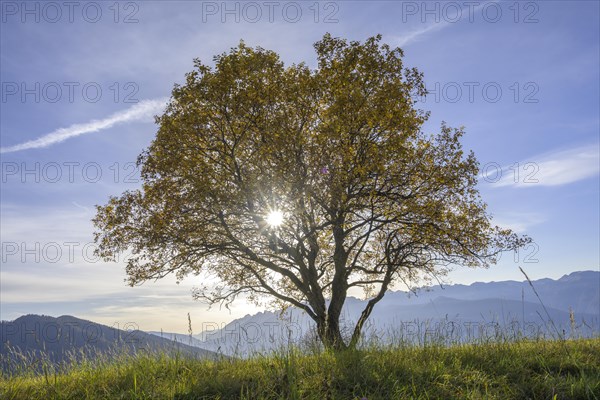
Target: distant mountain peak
<point>579,275</point>
<point>58,338</point>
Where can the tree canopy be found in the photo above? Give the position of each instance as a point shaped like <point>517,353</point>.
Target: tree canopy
<point>363,196</point>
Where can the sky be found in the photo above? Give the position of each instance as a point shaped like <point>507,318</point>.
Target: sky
<point>81,82</point>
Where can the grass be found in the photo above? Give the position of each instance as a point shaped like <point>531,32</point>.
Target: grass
<point>526,369</point>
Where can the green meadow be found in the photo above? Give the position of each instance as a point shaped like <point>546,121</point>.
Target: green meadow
<point>525,369</point>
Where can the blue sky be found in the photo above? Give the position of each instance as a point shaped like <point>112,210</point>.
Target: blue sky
<point>80,86</point>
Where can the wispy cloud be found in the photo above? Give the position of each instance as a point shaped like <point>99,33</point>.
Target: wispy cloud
<point>143,110</point>
<point>518,222</point>
<point>436,26</point>
<point>559,168</point>
<point>414,35</point>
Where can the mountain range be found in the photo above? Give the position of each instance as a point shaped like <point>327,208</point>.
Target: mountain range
<point>566,307</point>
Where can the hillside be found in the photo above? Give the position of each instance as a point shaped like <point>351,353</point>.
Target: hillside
<point>64,338</point>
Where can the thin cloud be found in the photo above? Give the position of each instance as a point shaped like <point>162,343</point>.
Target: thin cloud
<point>86,209</point>
<point>412,36</point>
<point>436,26</point>
<point>143,110</point>
<point>518,222</point>
<point>555,169</point>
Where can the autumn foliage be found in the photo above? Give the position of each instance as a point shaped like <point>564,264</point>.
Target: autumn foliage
<point>368,199</point>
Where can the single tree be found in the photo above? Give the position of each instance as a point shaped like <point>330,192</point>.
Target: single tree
<point>300,184</point>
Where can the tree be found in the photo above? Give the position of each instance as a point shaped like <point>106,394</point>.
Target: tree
<point>300,184</point>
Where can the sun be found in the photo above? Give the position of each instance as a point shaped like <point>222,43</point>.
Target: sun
<point>275,218</point>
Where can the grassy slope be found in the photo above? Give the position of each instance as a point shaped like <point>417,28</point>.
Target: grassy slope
<point>522,370</point>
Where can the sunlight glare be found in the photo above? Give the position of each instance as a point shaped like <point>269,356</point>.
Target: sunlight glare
<point>275,218</point>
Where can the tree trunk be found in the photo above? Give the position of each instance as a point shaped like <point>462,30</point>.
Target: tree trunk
<point>329,331</point>
<point>330,335</point>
